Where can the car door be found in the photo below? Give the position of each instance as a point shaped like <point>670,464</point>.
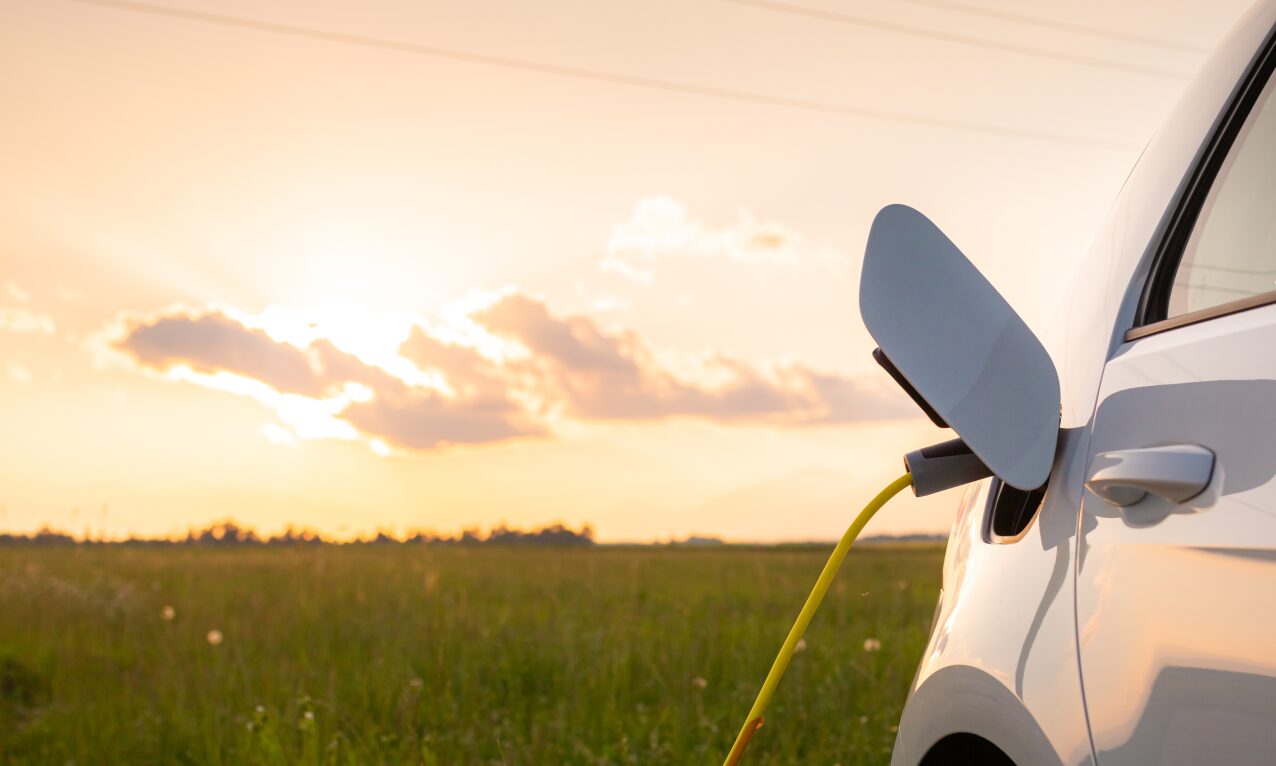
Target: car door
<point>1176,573</point>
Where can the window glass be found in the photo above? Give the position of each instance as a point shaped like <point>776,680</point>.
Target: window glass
<point>1232,251</point>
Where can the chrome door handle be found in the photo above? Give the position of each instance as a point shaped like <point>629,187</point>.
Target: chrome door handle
<point>1176,472</point>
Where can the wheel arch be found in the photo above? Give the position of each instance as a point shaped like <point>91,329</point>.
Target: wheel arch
<point>964,707</point>
<point>963,748</point>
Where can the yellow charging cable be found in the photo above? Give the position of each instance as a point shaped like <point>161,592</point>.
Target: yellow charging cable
<point>754,721</point>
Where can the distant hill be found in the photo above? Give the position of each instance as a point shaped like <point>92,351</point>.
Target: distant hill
<point>919,537</point>
<point>814,499</point>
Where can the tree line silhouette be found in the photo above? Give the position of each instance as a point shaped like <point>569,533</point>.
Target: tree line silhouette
<point>231,533</point>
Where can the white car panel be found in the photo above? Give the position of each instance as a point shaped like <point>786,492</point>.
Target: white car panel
<point>1176,602</point>
<point>1100,304</point>
<point>992,666</point>
<point>1003,660</point>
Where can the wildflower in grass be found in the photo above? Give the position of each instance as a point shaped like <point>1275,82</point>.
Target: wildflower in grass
<point>801,646</point>
<point>258,720</point>
<point>699,682</point>
<point>416,683</point>
<point>863,720</point>
<point>872,644</point>
<point>168,613</point>
<point>215,637</point>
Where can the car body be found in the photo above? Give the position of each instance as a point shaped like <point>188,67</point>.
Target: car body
<point>1074,631</point>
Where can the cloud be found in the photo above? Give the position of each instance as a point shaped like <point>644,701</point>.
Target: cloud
<point>601,375</point>
<point>477,406</point>
<point>508,369</point>
<point>366,397</point>
<point>426,420</point>
<point>213,342</point>
<point>661,228</point>
<point>462,368</point>
<point>16,292</point>
<point>24,321</point>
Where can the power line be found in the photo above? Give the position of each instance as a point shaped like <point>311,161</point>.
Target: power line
<point>960,39</point>
<point>1063,26</point>
<point>594,75</point>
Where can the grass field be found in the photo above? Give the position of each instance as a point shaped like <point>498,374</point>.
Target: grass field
<point>413,654</point>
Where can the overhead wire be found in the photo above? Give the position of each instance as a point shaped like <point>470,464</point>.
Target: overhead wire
<point>1058,25</point>
<point>596,75</point>
<point>865,22</point>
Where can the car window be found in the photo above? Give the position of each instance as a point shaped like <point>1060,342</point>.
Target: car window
<point>1231,253</point>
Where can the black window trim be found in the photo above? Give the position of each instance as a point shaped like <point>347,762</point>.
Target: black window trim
<point>1150,317</point>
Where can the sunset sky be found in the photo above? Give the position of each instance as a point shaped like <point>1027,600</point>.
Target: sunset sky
<point>411,265</point>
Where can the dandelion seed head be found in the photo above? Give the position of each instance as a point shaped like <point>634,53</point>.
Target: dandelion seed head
<point>168,613</point>
<point>215,637</point>
<point>699,682</point>
<point>416,683</point>
<point>872,644</point>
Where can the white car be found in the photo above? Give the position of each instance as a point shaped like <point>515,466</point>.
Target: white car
<point>1124,612</point>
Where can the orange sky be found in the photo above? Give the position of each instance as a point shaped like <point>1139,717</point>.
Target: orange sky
<point>437,265</point>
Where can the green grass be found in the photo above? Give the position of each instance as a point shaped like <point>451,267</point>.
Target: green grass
<point>381,654</point>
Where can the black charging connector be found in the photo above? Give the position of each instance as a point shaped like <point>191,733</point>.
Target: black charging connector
<point>944,466</point>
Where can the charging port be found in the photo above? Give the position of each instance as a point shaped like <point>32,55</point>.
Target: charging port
<point>1010,511</point>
